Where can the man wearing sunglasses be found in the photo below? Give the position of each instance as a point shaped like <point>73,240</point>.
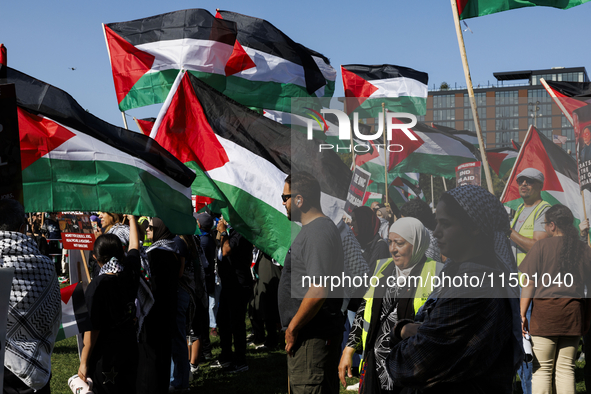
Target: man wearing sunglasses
<point>527,227</point>
<point>311,311</point>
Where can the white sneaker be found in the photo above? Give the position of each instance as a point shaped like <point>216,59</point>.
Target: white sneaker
<point>353,387</point>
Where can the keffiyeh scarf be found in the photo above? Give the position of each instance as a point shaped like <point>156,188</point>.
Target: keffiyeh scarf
<point>112,267</point>
<point>34,310</point>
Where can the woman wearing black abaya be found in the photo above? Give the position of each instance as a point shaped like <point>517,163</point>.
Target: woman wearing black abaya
<point>155,338</point>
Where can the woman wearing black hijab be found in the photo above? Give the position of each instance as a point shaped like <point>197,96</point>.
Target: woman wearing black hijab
<point>155,337</point>
<point>365,225</point>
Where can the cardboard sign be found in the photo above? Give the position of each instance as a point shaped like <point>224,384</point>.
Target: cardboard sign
<point>10,149</point>
<point>357,188</point>
<point>468,174</point>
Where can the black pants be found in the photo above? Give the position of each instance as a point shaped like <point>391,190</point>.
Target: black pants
<point>13,385</point>
<point>231,322</point>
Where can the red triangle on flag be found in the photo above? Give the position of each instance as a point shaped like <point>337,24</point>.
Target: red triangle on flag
<point>186,133</point>
<point>357,89</point>
<point>410,146</point>
<point>238,61</point>
<point>66,292</point>
<point>124,56</point>
<point>39,136</point>
<point>533,155</point>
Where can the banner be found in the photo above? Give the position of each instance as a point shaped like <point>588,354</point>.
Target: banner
<point>77,231</point>
<point>10,151</point>
<point>468,174</point>
<point>357,188</point>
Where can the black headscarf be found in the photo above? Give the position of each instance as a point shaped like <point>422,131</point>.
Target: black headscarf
<point>160,231</point>
<point>368,225</point>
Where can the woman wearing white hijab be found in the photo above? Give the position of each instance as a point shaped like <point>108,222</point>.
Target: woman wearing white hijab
<point>387,303</point>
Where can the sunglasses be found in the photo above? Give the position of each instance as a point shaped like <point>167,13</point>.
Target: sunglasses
<point>285,197</point>
<point>151,228</point>
<point>529,181</point>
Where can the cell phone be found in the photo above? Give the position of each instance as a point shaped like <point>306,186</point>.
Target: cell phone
<point>94,226</point>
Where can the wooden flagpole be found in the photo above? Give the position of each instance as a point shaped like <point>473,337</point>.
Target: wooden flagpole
<point>570,119</point>
<point>432,193</point>
<point>351,135</point>
<point>487,175</point>
<point>444,184</point>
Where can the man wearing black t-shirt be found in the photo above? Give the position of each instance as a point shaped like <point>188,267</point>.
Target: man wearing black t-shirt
<point>310,309</point>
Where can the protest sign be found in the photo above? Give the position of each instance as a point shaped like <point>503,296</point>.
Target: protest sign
<point>468,174</point>
<point>359,182</point>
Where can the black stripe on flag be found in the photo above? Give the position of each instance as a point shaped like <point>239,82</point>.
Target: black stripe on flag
<point>80,309</point>
<point>386,71</point>
<point>561,161</point>
<point>194,23</point>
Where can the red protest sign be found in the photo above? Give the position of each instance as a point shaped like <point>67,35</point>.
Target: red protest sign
<point>78,241</point>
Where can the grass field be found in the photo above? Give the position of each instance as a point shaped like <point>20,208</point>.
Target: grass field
<point>267,373</point>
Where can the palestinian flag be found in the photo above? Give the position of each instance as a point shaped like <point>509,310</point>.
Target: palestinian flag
<point>561,183</point>
<point>75,318</point>
<point>74,161</point>
<point>145,125</point>
<point>147,54</point>
<point>569,96</point>
<point>401,89</point>
<point>473,8</point>
<point>434,152</point>
<point>242,159</point>
<point>466,135</point>
<point>501,160</point>
<point>281,68</point>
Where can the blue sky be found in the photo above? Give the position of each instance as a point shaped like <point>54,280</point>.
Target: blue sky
<point>45,39</point>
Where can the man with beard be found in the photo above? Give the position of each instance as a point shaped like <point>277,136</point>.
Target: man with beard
<point>310,312</point>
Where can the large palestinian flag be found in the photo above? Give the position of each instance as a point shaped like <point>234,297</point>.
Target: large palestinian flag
<point>263,68</point>
<point>401,89</point>
<point>570,97</point>
<point>147,54</point>
<point>242,159</point>
<point>434,152</point>
<point>74,161</point>
<point>283,69</point>
<point>561,184</point>
<point>473,8</point>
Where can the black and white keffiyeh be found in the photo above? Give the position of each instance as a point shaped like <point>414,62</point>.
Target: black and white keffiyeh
<point>164,244</point>
<point>121,231</point>
<point>34,311</point>
<point>112,267</point>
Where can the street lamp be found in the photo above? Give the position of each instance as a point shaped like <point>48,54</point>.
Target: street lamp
<point>534,109</point>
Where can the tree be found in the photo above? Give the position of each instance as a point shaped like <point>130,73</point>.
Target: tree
<point>444,86</point>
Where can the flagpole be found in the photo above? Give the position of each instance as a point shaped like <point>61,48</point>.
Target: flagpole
<point>570,119</point>
<point>444,184</point>
<point>454,7</point>
<point>385,151</point>
<point>124,120</point>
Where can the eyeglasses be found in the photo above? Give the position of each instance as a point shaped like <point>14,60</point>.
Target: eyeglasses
<point>285,197</point>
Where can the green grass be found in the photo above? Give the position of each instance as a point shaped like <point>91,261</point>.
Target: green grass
<point>267,372</point>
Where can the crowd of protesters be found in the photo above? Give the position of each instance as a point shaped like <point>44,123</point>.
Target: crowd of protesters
<point>156,298</point>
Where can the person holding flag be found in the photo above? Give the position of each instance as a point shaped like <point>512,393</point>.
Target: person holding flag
<point>527,227</point>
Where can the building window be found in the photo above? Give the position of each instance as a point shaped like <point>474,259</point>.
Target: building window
<point>503,138</point>
<point>506,97</point>
<point>444,101</point>
<point>444,114</point>
<point>479,97</point>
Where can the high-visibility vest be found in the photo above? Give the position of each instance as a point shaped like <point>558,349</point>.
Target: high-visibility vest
<point>422,292</point>
<point>527,230</point>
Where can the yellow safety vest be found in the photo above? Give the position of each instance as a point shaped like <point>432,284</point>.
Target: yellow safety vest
<point>527,230</point>
<point>421,294</point>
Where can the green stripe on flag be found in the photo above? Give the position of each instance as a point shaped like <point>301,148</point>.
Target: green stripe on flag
<point>152,88</point>
<point>66,185</point>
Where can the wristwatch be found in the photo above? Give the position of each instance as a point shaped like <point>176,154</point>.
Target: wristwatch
<point>224,233</point>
